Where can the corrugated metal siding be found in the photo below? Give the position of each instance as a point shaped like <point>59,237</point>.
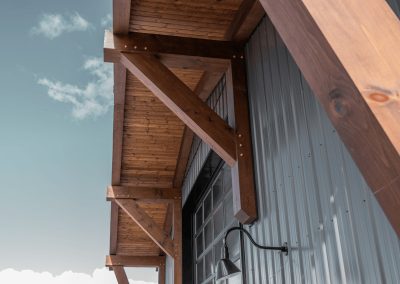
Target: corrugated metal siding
<point>310,192</point>
<point>218,101</point>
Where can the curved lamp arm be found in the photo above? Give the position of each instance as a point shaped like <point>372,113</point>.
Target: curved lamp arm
<point>283,248</point>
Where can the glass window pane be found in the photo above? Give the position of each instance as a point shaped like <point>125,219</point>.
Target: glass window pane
<point>218,221</point>
<point>227,179</point>
<point>218,191</point>
<point>209,263</point>
<point>207,206</point>
<point>218,251</point>
<point>208,235</point>
<point>200,271</point>
<point>199,218</point>
<point>228,210</point>
<point>199,244</point>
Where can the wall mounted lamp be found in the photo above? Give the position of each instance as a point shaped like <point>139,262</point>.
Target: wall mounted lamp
<point>226,268</point>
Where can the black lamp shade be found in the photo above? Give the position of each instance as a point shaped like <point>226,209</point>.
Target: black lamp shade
<point>226,269</point>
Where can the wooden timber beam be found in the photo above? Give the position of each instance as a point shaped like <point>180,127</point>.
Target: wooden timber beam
<point>178,241</point>
<point>120,274</point>
<point>163,44</point>
<point>134,261</point>
<point>161,273</point>
<point>245,21</point>
<point>119,106</point>
<point>243,187</point>
<point>184,103</point>
<point>140,193</point>
<point>121,16</point>
<point>147,224</point>
<point>348,52</point>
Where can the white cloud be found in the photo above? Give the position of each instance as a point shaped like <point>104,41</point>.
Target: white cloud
<point>54,25</point>
<point>99,276</point>
<point>106,22</point>
<point>94,99</point>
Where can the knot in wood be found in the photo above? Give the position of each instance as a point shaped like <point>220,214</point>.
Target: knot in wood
<point>338,103</point>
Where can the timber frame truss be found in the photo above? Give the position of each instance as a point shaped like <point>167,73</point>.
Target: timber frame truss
<point>353,73</point>
<point>148,57</point>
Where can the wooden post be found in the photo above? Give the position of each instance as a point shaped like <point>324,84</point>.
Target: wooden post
<point>243,187</point>
<point>161,273</point>
<point>178,241</point>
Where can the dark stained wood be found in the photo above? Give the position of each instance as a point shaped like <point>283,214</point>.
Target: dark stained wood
<point>246,20</point>
<point>207,84</point>
<point>243,186</point>
<point>169,219</point>
<point>200,19</point>
<point>160,44</point>
<point>147,224</point>
<point>119,105</point>
<point>134,261</point>
<point>120,274</point>
<point>184,103</point>
<point>140,193</point>
<point>348,53</point>
<point>121,16</point>
<point>178,241</point>
<point>161,273</point>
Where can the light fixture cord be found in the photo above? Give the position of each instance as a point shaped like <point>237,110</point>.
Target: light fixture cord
<point>281,248</point>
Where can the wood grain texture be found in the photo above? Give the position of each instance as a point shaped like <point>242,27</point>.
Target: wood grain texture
<point>199,19</point>
<point>121,16</point>
<point>184,103</point>
<point>178,241</point>
<point>162,273</point>
<point>246,20</point>
<point>348,53</point>
<point>243,186</point>
<point>120,274</point>
<point>147,224</point>
<point>161,44</point>
<point>134,261</point>
<point>142,193</point>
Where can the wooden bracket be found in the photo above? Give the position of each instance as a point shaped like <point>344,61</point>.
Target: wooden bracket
<point>196,114</point>
<point>120,274</point>
<point>142,194</point>
<point>147,224</point>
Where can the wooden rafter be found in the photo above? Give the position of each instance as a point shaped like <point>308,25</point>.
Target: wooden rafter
<point>121,16</point>
<point>348,52</point>
<point>147,224</point>
<point>140,193</point>
<point>247,17</point>
<point>134,261</point>
<point>184,103</point>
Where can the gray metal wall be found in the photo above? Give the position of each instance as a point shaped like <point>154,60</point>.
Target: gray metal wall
<point>310,192</point>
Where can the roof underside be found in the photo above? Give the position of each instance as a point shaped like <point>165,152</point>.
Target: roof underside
<point>152,134</point>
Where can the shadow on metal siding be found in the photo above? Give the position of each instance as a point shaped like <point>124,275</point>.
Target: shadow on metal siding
<point>218,101</point>
<point>310,192</point>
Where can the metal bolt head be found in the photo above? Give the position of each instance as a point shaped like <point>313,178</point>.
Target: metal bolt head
<point>126,46</point>
<point>135,47</point>
<point>145,48</point>
<point>234,56</point>
<point>241,154</point>
<point>240,135</point>
<point>240,145</point>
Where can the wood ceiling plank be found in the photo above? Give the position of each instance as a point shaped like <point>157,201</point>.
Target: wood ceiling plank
<point>148,225</point>
<point>184,103</point>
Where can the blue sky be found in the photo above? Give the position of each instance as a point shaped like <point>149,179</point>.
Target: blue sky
<point>56,135</point>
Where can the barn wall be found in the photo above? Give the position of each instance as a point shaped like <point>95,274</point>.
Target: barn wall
<point>310,192</point>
